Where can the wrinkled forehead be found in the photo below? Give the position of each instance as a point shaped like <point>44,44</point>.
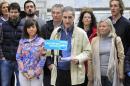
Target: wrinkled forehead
<point>57,9</point>
<point>68,13</point>
<point>5,4</point>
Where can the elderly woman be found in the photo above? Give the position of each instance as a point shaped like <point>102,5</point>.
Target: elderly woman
<point>107,56</point>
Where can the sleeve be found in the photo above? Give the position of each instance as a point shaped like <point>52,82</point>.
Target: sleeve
<point>90,69</point>
<point>19,53</point>
<point>90,63</point>
<point>44,31</point>
<point>49,60</point>
<point>127,61</point>
<point>86,49</point>
<point>42,60</point>
<point>120,50</point>
<point>127,53</point>
<point>1,39</point>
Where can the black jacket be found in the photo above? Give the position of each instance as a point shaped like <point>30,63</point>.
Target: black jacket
<point>122,27</point>
<point>47,29</point>
<point>10,39</point>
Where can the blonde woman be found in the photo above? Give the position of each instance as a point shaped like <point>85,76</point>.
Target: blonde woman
<point>107,65</point>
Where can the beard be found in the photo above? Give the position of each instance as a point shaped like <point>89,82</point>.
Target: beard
<point>14,21</point>
<point>30,13</point>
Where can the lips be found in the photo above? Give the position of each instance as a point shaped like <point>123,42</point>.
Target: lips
<point>113,11</point>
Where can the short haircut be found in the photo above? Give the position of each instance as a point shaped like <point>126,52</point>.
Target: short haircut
<point>69,8</point>
<point>1,4</point>
<point>57,6</point>
<point>14,6</point>
<point>28,1</point>
<point>121,4</point>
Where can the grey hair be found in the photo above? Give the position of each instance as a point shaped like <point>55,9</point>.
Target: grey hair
<point>109,22</point>
<point>57,6</point>
<point>69,8</point>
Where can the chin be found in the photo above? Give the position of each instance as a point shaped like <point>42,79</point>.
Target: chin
<point>67,26</point>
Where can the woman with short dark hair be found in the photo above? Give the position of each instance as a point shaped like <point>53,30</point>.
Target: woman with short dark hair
<point>30,55</point>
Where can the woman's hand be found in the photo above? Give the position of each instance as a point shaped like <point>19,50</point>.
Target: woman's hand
<point>42,51</point>
<point>38,71</point>
<point>21,66</point>
<point>28,77</point>
<point>121,77</point>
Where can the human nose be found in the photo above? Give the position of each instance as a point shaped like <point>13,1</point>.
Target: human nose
<point>67,19</point>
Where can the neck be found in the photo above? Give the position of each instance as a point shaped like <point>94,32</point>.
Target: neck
<point>6,17</point>
<point>56,23</point>
<point>116,17</point>
<point>86,27</point>
<point>31,37</point>
<point>33,17</point>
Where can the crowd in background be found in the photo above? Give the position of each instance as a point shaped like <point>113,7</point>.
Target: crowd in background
<point>97,54</point>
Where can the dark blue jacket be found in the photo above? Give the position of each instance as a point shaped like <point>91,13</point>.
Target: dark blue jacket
<point>10,39</point>
<point>47,29</point>
<point>122,27</point>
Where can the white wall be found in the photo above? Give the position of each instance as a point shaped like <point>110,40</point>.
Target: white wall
<point>99,4</point>
<point>43,5</point>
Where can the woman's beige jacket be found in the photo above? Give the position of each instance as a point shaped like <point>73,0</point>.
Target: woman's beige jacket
<point>115,65</point>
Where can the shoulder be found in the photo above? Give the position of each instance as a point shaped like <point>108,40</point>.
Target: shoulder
<point>40,20</point>
<point>50,22</point>
<point>56,29</point>
<point>56,32</point>
<point>94,40</point>
<point>22,41</point>
<point>23,20</point>
<point>1,21</point>
<point>94,29</point>
<point>118,39</point>
<point>125,20</point>
<point>41,39</point>
<point>5,23</point>
<point>79,30</point>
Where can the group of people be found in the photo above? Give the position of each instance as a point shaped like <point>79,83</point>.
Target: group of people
<point>99,53</point>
